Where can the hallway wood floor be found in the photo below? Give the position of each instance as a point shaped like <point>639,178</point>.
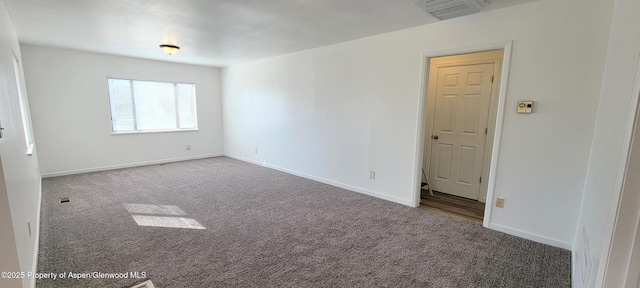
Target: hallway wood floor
<point>453,205</point>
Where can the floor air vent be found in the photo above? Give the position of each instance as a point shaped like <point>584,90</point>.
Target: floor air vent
<point>447,9</point>
<point>64,200</point>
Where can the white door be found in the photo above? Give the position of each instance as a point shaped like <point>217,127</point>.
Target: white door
<point>463,95</point>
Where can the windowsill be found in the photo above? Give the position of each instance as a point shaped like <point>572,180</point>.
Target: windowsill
<point>30,149</point>
<point>154,131</point>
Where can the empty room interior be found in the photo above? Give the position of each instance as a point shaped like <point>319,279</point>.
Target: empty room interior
<point>335,143</point>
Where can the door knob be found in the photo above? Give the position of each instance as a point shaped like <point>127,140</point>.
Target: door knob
<point>435,137</point>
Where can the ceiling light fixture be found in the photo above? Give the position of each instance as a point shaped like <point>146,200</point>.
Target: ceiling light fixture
<point>169,49</point>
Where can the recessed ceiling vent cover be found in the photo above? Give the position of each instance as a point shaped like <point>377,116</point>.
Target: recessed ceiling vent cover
<point>447,9</point>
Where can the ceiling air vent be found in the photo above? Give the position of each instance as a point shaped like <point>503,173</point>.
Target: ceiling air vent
<point>447,9</point>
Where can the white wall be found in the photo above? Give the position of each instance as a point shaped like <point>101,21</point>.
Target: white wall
<point>611,138</point>
<point>8,252</point>
<point>71,112</point>
<point>21,179</point>
<point>335,113</point>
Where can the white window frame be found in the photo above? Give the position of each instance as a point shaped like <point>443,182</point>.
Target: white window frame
<point>24,106</point>
<point>136,131</point>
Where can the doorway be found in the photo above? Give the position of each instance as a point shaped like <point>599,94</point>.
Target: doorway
<point>460,121</point>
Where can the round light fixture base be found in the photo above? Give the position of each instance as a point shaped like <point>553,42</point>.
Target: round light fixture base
<point>169,49</point>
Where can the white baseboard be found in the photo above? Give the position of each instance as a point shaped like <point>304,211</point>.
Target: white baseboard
<point>245,159</point>
<point>497,227</point>
<point>128,165</point>
<point>326,181</point>
<point>531,236</point>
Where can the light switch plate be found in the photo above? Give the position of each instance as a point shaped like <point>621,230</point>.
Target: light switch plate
<point>525,107</point>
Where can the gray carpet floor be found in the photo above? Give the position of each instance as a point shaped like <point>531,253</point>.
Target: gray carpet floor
<point>265,228</point>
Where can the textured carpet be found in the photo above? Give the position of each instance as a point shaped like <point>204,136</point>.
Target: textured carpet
<point>265,228</point>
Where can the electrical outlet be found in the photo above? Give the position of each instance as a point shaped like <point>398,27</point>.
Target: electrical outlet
<point>372,174</point>
<point>500,202</point>
<point>256,150</point>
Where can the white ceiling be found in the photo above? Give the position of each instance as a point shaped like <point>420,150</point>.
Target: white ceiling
<point>210,32</point>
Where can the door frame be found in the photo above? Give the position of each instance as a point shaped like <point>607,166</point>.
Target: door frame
<point>500,112</point>
<point>623,227</point>
<point>459,60</point>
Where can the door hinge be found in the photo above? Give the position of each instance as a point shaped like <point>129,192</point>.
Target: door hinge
<point>486,130</point>
<point>492,78</point>
<point>480,179</point>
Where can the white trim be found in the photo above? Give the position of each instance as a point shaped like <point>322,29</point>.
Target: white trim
<point>244,159</point>
<point>30,148</point>
<point>343,185</point>
<point>632,277</point>
<point>420,134</point>
<point>575,270</point>
<point>456,60</point>
<point>497,139</point>
<point>470,49</point>
<point>326,181</point>
<point>153,131</point>
<point>36,249</point>
<point>129,165</point>
<point>617,192</point>
<point>531,236</point>
<point>149,80</point>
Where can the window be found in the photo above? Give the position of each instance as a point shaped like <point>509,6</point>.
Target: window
<point>145,106</point>
<point>24,108</point>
